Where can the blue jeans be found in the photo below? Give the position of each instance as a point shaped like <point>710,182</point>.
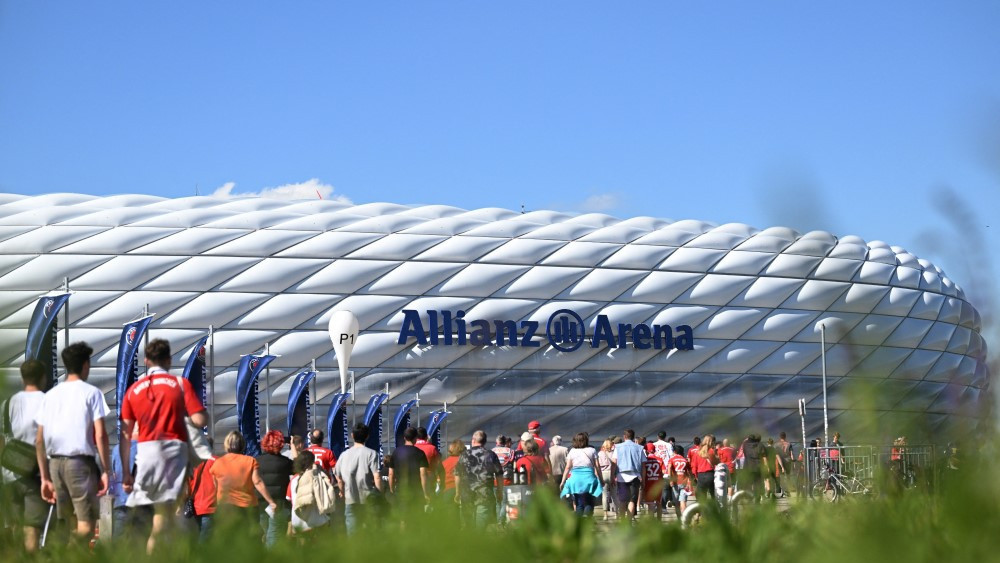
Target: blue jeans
<point>204,527</point>
<point>354,517</point>
<point>275,527</point>
<point>483,514</point>
<point>584,504</point>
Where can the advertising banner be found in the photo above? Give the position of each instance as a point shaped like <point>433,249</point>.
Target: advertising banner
<point>336,423</point>
<point>373,419</point>
<point>127,368</point>
<point>299,409</point>
<point>247,411</point>
<point>41,342</point>
<point>402,421</point>
<point>194,370</point>
<point>434,427</point>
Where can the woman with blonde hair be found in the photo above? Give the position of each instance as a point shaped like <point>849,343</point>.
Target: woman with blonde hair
<point>703,462</point>
<point>606,465</point>
<point>236,477</point>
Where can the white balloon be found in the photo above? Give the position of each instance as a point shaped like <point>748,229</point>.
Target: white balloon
<point>344,334</point>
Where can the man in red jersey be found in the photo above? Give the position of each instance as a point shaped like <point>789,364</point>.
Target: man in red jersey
<point>158,402</point>
<point>653,473</point>
<point>677,466</point>
<point>433,458</point>
<point>535,428</point>
<point>727,455</point>
<point>324,457</point>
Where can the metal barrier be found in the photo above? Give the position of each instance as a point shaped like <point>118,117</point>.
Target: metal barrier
<point>903,465</point>
<point>853,461</point>
<point>910,465</point>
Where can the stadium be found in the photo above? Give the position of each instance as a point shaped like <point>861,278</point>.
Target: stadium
<point>583,322</point>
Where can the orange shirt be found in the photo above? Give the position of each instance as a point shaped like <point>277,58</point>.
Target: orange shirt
<point>233,475</point>
<point>449,471</point>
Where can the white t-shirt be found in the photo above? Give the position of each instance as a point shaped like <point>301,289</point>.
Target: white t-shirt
<point>581,457</point>
<point>23,407</point>
<point>67,418</point>
<point>663,450</point>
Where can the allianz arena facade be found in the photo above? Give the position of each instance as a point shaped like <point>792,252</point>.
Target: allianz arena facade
<point>682,326</point>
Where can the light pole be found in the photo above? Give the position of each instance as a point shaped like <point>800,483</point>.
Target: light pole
<point>826,418</point>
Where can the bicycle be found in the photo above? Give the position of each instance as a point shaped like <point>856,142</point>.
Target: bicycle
<point>831,486</point>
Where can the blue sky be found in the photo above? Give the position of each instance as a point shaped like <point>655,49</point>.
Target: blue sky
<point>850,117</point>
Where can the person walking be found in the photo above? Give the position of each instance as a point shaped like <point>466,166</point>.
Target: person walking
<point>358,480</point>
<point>236,477</point>
<point>71,438</point>
<point>24,491</point>
<point>408,478</point>
<point>580,478</point>
<point>703,466</point>
<point>677,467</point>
<point>305,519</point>
<point>434,472</point>
<point>628,458</point>
<point>535,429</point>
<point>534,467</point>
<point>275,470</point>
<point>158,402</point>
<point>661,447</point>
<point>203,494</point>
<point>295,446</point>
<point>507,463</point>
<point>324,456</point>
<point>755,466</point>
<point>557,460</point>
<point>477,474</point>
<point>607,467</point>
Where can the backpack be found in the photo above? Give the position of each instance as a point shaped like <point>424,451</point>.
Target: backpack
<point>314,491</point>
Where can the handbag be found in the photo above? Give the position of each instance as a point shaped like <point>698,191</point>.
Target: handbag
<point>18,456</point>
<point>198,447</point>
<point>188,510</point>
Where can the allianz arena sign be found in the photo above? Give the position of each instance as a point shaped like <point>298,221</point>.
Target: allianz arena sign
<point>565,331</point>
<point>583,322</point>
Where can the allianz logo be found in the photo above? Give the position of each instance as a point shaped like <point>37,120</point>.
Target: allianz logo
<point>565,331</point>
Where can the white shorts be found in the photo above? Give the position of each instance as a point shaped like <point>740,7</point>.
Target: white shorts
<point>160,474</point>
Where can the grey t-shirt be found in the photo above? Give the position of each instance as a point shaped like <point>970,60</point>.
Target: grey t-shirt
<point>357,468</point>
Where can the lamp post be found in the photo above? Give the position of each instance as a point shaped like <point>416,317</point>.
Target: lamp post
<point>826,418</point>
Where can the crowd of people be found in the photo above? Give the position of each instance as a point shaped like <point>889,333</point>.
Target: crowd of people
<point>292,489</point>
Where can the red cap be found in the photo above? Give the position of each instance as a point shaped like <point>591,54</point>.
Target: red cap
<point>650,448</point>
<point>534,425</point>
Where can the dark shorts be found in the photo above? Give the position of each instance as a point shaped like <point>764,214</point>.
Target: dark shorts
<point>29,508</point>
<point>76,480</point>
<point>629,492</point>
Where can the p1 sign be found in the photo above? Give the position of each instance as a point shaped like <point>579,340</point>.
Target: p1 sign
<point>344,334</point>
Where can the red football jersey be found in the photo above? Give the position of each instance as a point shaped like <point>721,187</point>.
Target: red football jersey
<point>653,470</point>
<point>679,467</point>
<point>159,402</point>
<point>324,457</point>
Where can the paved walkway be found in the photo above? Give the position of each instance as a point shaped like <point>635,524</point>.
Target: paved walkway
<point>669,515</point>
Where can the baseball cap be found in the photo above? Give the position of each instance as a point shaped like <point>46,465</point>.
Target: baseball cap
<point>534,425</point>
<point>526,436</point>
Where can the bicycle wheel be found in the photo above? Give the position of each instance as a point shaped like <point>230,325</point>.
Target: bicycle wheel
<point>824,489</point>
<point>857,487</point>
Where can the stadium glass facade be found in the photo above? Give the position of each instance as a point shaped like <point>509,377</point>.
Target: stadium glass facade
<point>584,322</point>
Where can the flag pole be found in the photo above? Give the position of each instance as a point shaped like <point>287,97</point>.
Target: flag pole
<point>211,380</point>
